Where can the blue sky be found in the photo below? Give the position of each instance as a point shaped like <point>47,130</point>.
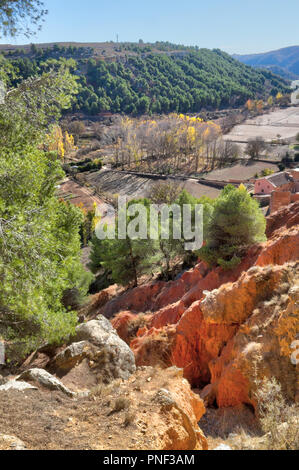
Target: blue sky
<point>241,26</point>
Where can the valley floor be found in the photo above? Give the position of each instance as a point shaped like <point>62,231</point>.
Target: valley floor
<point>282,122</point>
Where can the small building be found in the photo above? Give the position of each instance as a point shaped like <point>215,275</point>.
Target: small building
<point>282,188</point>
<point>270,183</point>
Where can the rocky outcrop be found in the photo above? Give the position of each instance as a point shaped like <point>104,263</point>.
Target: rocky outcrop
<point>19,386</point>
<point>189,288</point>
<point>220,326</point>
<point>45,379</point>
<point>175,410</point>
<point>184,411</point>
<point>136,300</point>
<point>284,218</point>
<point>281,248</point>
<point>262,345</point>
<point>97,355</point>
<point>218,340</point>
<point>99,300</point>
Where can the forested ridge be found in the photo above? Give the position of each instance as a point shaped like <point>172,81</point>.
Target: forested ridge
<point>186,80</point>
<point>283,62</point>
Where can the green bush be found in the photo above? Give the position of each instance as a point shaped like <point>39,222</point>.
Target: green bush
<point>236,222</point>
<point>40,250</point>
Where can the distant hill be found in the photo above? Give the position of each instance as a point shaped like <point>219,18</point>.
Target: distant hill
<point>138,78</point>
<point>284,62</point>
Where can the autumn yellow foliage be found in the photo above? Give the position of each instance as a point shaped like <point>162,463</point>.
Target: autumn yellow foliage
<point>58,142</point>
<point>175,141</point>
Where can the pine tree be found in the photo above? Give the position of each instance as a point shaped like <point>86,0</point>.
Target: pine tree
<point>39,234</point>
<point>127,259</point>
<point>235,224</point>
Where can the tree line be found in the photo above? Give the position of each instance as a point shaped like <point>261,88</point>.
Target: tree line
<point>149,83</point>
<point>231,223</point>
<point>170,144</point>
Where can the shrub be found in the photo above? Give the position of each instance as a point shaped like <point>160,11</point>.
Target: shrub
<point>129,419</point>
<point>267,172</point>
<point>165,193</point>
<point>281,166</point>
<point>278,419</point>
<point>236,222</point>
<point>121,404</point>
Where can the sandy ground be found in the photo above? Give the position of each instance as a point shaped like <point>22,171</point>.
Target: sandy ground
<point>46,420</point>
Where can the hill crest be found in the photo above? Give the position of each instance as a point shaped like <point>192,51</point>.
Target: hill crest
<point>283,61</point>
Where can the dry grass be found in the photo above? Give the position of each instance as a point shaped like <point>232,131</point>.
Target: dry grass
<point>129,419</point>
<point>103,390</point>
<point>121,404</point>
<point>279,420</point>
<point>156,349</point>
<point>134,325</point>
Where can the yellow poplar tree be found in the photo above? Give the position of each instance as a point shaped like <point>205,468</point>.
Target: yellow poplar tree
<point>69,142</point>
<point>279,96</point>
<point>55,141</point>
<point>270,101</point>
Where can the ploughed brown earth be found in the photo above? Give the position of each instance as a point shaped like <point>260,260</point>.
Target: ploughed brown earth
<point>201,345</point>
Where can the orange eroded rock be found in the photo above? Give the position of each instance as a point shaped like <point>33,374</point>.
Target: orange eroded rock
<point>120,323</point>
<point>261,346</point>
<point>281,248</point>
<point>180,411</point>
<point>217,325</point>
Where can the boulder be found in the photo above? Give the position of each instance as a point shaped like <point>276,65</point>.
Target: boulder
<point>98,351</point>
<point>46,380</point>
<point>11,443</point>
<point>16,385</point>
<point>95,331</point>
<point>72,355</point>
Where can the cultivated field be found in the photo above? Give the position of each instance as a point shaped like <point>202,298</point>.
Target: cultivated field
<point>241,171</point>
<point>283,123</point>
<point>135,186</point>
